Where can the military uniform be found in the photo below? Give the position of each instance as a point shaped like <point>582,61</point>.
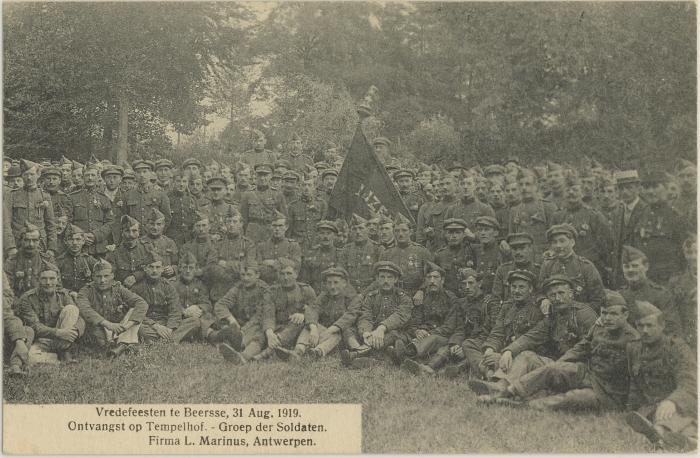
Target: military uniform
<point>92,212</point>
<point>659,235</point>
<point>431,215</point>
<point>500,287</point>
<point>318,259</point>
<point>684,288</point>
<point>183,207</point>
<point>13,328</point>
<point>33,207</point>
<point>533,217</point>
<point>202,248</point>
<point>594,239</point>
<point>326,311</point>
<point>413,202</point>
<point>258,210</point>
<point>436,315</point>
<point>473,321</point>
<point>411,259</point>
<point>163,307</point>
<point>254,157</point>
<point>61,203</point>
<point>129,261</point>
<point>76,270</point>
<point>392,309</point>
<point>140,202</point>
<point>23,270</point>
<point>47,313</point>
<point>489,259</point>
<point>284,302</point>
<point>469,209</point>
<point>164,247</point>
<point>297,162</point>
<point>195,292</point>
<point>231,251</point>
<point>453,259</point>
<point>656,294</point>
<point>588,286</point>
<point>218,213</point>
<point>304,214</point>
<point>359,261</point>
<point>274,250</point>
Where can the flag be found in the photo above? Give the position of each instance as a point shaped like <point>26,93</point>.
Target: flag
<point>364,186</point>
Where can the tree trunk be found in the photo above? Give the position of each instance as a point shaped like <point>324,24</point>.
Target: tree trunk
<point>123,132</point>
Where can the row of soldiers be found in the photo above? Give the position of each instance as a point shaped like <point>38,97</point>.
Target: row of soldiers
<point>258,270</point>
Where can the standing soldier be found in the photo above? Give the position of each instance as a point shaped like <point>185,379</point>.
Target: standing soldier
<point>258,155</point>
<point>328,179</point>
<point>219,210</point>
<point>532,215</point>
<point>30,205</point>
<point>163,246</point>
<point>457,255</point>
<point>520,247</point>
<point>51,177</point>
<point>430,222</point>
<point>129,258</point>
<point>469,208</point>
<point>298,161</point>
<point>322,256</point>
<point>409,256</point>
<point>686,204</point>
<point>112,313</point>
<point>488,252</point>
<point>164,173</point>
<point>361,254</point>
<point>305,213</point>
<point>184,207</point>
<point>290,186</point>
<point>23,267</point>
<point>192,168</point>
<point>92,212</point>
<point>556,184</point>
<point>201,245</point>
<point>278,247</point>
<point>74,264</point>
<point>258,207</point>
<point>684,287</point>
<point>608,203</point>
<point>112,176</point>
<point>141,200</point>
<point>404,179</point>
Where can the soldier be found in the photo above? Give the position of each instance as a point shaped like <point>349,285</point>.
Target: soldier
<point>76,177</point>
<point>74,264</point>
<point>163,246</point>
<point>496,198</point>
<point>409,256</point>
<point>141,200</point>
<point>196,187</point>
<point>488,252</point>
<point>385,233</point>
<point>663,385</point>
<point>290,186</point>
<point>594,238</point>
<point>23,267</point>
<point>92,212</point>
<point>33,206</point>
<point>129,258</point>
<point>278,247</point>
<point>128,181</point>
<point>684,288</point>
<point>431,216</point>
<point>276,179</point>
<point>404,179</point>
<point>111,312</point>
<point>331,316</point>
<point>321,256</point>
<point>112,176</point>
<point>298,161</point>
<point>384,315</point>
<point>305,213</point>
<point>361,254</point>
<point>432,324</point>
<point>588,187</point>
<point>592,375</point>
<point>381,149</point>
<point>184,207</point>
<point>242,308</point>
<point>17,338</point>
<point>533,215</point>
<point>259,155</point>
<point>218,209</point>
<point>328,178</point>
<point>228,255</point>
<point>588,286</point>
<point>567,323</point>
<point>556,183</point>
<point>515,318</point>
<point>608,203</point>
<point>164,173</point>
<point>660,232</point>
<point>520,248</point>
<point>639,287</point>
<point>201,245</point>
<point>50,311</point>
<point>458,253</point>
<point>469,208</point>
<point>632,211</point>
<point>192,168</point>
<point>14,178</point>
<point>258,206</point>
<point>51,178</point>
<point>686,204</point>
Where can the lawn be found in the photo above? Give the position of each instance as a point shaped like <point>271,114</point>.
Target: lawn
<point>401,413</point>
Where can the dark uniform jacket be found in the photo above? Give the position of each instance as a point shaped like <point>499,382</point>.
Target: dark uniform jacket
<point>304,214</point>
<point>273,250</point>
<point>411,258</point>
<point>453,259</point>
<point>61,203</point>
<point>163,302</point>
<point>514,320</point>
<point>201,248</point>
<point>23,270</point>
<point>285,302</point>
<point>435,313</point>
<point>432,215</point>
<point>40,312</point>
<point>111,305</point>
<point>92,212</point>
<point>533,217</point>
<point>594,240</point>
<point>164,246</point>
<point>258,210</point>
<point>474,318</point>
<point>183,207</point>
<point>233,251</point>
<point>359,261</point>
<point>218,212</point>
<point>501,289</point>
<point>389,308</point>
<point>655,294</point>
<point>341,310</point>
<point>660,236</point>
<point>245,304</point>
<point>128,261</point>
<point>140,201</point>
<point>469,210</point>
<point>76,270</point>
<point>588,286</point>
<point>318,259</point>
<point>32,207</point>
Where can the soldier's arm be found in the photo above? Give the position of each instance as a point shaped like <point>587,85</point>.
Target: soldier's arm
<point>269,312</point>
<point>135,302</point>
<point>308,297</point>
<point>50,226</point>
<point>365,321</point>
<point>685,395</point>
<point>103,232</point>
<point>351,314</point>
<point>498,282</point>
<point>497,335</point>
<point>596,295</point>
<point>311,311</point>
<point>532,339</point>
<point>175,311</point>
<point>12,325</point>
<point>28,315</point>
<point>223,307</point>
<point>603,236</point>
<point>581,351</point>
<point>635,398</point>
<point>401,316</point>
<point>88,313</point>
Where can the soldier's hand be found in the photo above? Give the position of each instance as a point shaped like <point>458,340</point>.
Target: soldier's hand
<point>546,306</point>
<point>456,350</point>
<point>422,334</point>
<point>505,248</point>
<point>665,410</point>
<point>333,329</point>
<point>297,318</point>
<point>11,252</point>
<point>50,253</point>
<point>111,247</point>
<point>68,335</point>
<point>366,337</point>
<point>273,341</point>
<point>114,327</point>
<point>492,359</point>
<point>418,298</point>
<point>74,294</point>
<point>469,234</point>
<point>168,271</point>
<point>129,281</point>
<point>377,338</point>
<point>164,332</point>
<point>505,361</point>
<point>313,336</point>
<point>22,351</point>
<point>192,311</point>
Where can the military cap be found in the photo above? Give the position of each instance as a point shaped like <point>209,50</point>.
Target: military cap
<point>200,216</point>
<point>321,165</point>
<point>142,165</point>
<point>494,169</point>
<point>155,215</point>
<point>28,227</point>
<point>216,182</point>
<point>391,168</point>
<point>92,160</point>
<point>65,161</point>
<point>357,220</point>
<point>383,219</point>
<point>488,221</point>
<point>626,176</point>
<point>335,272</point>
<point>381,141</point>
<point>286,263</point>
<point>614,298</point>
<point>329,171</point>
<point>645,309</point>
<point>127,222</point>
<point>277,173</point>
<point>49,266</point>
<point>513,159</point>
<point>263,169</point>
<point>160,163</point>
<point>13,172</point>
<point>101,266</point>
<point>630,253</point>
<point>71,230</point>
<point>519,238</point>
<point>553,166</point>
<point>430,267</point>
<point>403,173</point>
<point>457,167</point>
<point>387,266</point>
<point>566,229</point>
<point>401,219</point>
<point>291,175</point>
<point>521,274</point>
<point>250,264</point>
<point>151,256</point>
<point>129,174</point>
<point>187,258</point>
<point>325,224</point>
<point>112,170</point>
<point>25,165</point>
<point>77,165</point>
<point>51,171</point>
<point>454,223</point>
<point>342,225</point>
<point>191,161</point>
<point>278,215</point>
<point>556,279</point>
<point>283,163</point>
<point>653,177</point>
<point>467,272</point>
<point>93,166</point>
<point>56,164</point>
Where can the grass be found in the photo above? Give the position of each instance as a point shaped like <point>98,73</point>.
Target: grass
<point>401,413</point>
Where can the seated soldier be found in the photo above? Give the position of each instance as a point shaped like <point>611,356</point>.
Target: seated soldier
<point>635,266</point>
<point>160,244</point>
<point>331,316</point>
<point>663,384</point>
<point>130,255</point>
<point>242,309</point>
<point>593,375</point>
<point>113,314</point>
<point>385,313</point>
<point>519,245</point>
<point>74,263</point>
<point>50,311</point>
<point>17,338</point>
<point>567,323</point>
<point>433,322</point>
<point>516,317</point>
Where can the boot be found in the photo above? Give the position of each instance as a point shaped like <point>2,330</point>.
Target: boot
<point>285,355</point>
<point>266,353</point>
<point>231,355</point>
<point>639,423</point>
<point>116,351</point>
<point>231,336</point>
<point>16,371</point>
<point>495,389</point>
<point>67,357</point>
<point>416,368</point>
<point>455,370</point>
<point>399,353</point>
<point>315,353</point>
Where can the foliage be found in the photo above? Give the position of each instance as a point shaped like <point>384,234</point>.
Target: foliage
<point>436,141</point>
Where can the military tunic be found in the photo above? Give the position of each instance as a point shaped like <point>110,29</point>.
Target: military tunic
<point>41,312</point>
<point>432,215</point>
<point>304,214</point>
<point>413,202</point>
<point>273,251</point>
<point>489,259</point>
<point>76,270</point>
<point>318,259</point>
<point>201,248</point>
<point>61,203</point>
<point>23,270</point>
<point>92,212</point>
<point>657,295</point>
<point>183,207</point>
<point>411,258</point>
<point>231,252</point>
<point>359,261</point>
<point>514,320</point>
<point>164,247</point>
<point>469,210</point>
<point>453,259</point>
<point>594,240</point>
<point>258,210</point>
<point>284,303</point>
<point>659,235</point>
<point>33,207</point>
<point>218,213</point>
<point>588,286</point>
<point>140,202</point>
<point>533,216</point>
<point>392,309</point>
<point>129,261</point>
<point>500,288</point>
<point>163,303</point>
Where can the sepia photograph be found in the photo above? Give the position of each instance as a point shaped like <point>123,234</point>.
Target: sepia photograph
<point>349,227</point>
